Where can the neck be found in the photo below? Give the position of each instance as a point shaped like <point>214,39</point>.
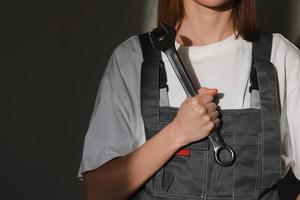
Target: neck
<point>202,25</point>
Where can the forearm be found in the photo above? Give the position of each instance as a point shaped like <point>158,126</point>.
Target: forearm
<point>121,177</point>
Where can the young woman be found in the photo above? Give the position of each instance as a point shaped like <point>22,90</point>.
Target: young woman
<point>149,142</point>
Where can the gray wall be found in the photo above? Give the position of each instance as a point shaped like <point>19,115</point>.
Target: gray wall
<point>53,54</point>
<point>280,16</point>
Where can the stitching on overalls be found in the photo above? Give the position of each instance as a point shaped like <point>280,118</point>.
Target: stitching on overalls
<point>234,165</point>
<point>278,113</point>
<point>204,178</point>
<point>261,152</point>
<point>260,146</point>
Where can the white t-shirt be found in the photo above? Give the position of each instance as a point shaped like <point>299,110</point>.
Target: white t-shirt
<point>116,127</point>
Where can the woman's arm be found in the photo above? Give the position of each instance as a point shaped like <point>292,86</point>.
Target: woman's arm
<point>121,177</point>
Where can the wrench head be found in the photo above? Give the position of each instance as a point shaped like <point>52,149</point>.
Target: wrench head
<point>163,37</point>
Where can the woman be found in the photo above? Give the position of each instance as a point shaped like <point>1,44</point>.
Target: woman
<point>170,158</point>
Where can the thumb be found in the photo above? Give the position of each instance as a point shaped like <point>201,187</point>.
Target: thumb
<point>209,91</point>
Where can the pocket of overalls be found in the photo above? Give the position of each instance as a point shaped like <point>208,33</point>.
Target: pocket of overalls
<point>248,163</point>
<point>242,132</point>
<point>183,176</point>
<point>202,145</point>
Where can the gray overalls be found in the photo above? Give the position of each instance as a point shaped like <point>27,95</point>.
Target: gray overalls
<point>253,133</point>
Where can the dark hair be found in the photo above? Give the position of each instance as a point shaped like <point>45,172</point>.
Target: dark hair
<point>243,16</point>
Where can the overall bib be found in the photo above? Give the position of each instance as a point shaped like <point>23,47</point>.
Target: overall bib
<point>253,133</point>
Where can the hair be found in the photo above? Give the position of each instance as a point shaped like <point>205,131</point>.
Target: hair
<point>243,16</point>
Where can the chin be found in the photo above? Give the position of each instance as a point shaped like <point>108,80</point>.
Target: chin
<point>213,3</point>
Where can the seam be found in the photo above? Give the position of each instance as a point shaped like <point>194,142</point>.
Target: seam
<point>278,115</point>
<point>234,165</point>
<point>177,196</point>
<point>204,178</point>
<point>263,128</point>
<point>157,108</point>
<point>259,167</point>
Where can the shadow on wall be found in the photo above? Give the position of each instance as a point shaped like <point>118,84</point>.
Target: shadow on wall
<point>103,26</point>
<point>55,53</point>
<point>281,17</point>
<point>273,15</point>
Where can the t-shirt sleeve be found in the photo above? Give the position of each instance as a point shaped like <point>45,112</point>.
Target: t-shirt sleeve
<point>293,114</point>
<point>292,104</point>
<point>110,131</point>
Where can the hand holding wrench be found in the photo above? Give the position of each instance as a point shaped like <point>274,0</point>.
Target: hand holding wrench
<point>163,38</point>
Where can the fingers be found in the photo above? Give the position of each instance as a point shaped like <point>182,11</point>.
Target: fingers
<point>209,113</point>
<point>204,98</point>
<point>217,122</point>
<point>202,110</point>
<point>204,90</point>
<point>206,95</point>
<point>211,124</point>
<point>214,115</point>
<point>204,105</point>
<point>210,117</point>
<point>211,106</point>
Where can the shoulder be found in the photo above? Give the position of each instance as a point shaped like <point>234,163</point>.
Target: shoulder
<point>130,47</point>
<point>123,71</point>
<point>286,59</point>
<point>284,49</point>
<point>126,57</point>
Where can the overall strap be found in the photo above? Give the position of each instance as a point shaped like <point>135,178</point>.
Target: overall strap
<point>150,53</point>
<point>153,77</point>
<point>261,50</point>
<point>270,110</point>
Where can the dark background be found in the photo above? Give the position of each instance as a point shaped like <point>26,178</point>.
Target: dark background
<point>52,56</point>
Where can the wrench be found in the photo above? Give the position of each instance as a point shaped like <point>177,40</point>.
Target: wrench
<point>163,38</point>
